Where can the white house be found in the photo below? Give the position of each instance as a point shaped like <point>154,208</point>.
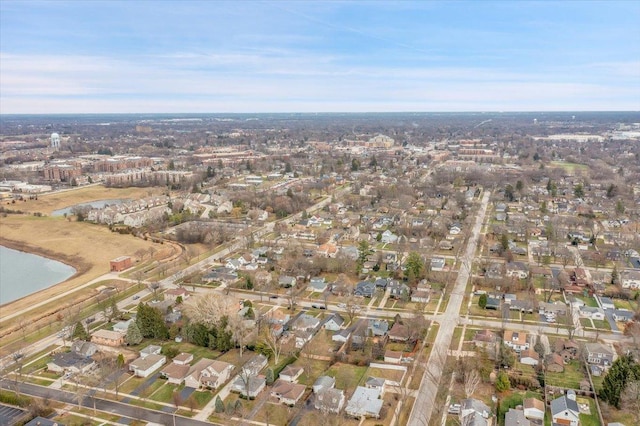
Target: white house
<point>334,322</point>
<point>565,411</point>
<point>291,373</point>
<point>592,312</point>
<point>533,409</point>
<point>365,402</point>
<point>630,279</point>
<point>286,392</point>
<point>143,367</point>
<point>516,340</point>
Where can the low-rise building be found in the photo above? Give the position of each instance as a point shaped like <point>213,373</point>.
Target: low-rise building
<point>144,367</point>
<point>365,402</point>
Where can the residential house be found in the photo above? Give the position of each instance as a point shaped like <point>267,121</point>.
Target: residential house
<point>365,402</point>
<point>70,362</point>
<point>286,281</point>
<point>533,409</point>
<point>493,303</point>
<point>422,293</point>
<point>377,327</point>
<point>592,312</point>
<point>389,237</point>
<point>107,338</point>
<point>122,326</point>
<point>329,400</point>
<point>606,303</point>
<point>302,337</point>
<point>517,270</point>
<point>529,357</point>
<point>343,335</point>
<point>215,374</point>
<point>556,308</point>
<point>291,373</point>
<point>554,363</point>
<point>255,365</point>
<point>305,322</point>
<point>398,290</point>
<point>516,340</point>
<point>567,349</point>
<point>150,350</point>
<point>327,250</point>
<point>630,279</point>
<point>375,383</point>
<point>622,315</point>
<point>286,392</point>
<point>495,271</point>
<point>599,354</point>
<point>175,372</point>
<point>392,357</point>
<point>365,289</point>
<point>565,411</point>
<point>524,306</point>
<point>474,412</point>
<point>174,293</point>
<point>248,386</point>
<point>334,322</point>
<point>484,338</point>
<point>85,349</point>
<point>143,367</point>
<point>515,418</point>
<point>438,263</point>
<point>399,332</point>
<point>323,383</point>
<point>317,284</point>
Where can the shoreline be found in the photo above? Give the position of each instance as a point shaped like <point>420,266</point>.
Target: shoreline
<point>80,267</point>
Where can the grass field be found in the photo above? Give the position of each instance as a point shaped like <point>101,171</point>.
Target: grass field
<point>71,242</point>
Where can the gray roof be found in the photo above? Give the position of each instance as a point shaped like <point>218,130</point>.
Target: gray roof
<point>365,402</point>
<point>324,382</point>
<point>515,418</point>
<point>71,359</point>
<point>563,403</point>
<point>374,382</point>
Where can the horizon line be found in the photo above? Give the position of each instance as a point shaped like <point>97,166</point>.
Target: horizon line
<point>326,112</point>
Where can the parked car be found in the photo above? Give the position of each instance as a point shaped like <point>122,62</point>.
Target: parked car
<point>136,297</point>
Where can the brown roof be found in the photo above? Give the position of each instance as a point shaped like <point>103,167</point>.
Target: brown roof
<point>533,403</point>
<point>175,371</point>
<point>399,331</point>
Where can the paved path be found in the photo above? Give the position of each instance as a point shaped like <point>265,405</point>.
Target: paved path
<point>423,406</point>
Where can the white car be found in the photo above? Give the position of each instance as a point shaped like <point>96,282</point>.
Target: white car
<point>342,305</point>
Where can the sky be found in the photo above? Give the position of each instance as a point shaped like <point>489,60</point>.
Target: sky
<point>325,56</point>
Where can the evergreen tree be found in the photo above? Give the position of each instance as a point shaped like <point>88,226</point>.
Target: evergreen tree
<point>151,322</point>
<point>502,382</point>
<point>79,332</point>
<point>482,301</point>
<point>120,361</point>
<point>270,378</point>
<point>622,371</point>
<point>134,336</point>
<point>219,405</point>
<point>415,266</point>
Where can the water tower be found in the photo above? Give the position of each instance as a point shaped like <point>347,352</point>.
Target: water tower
<point>55,141</point>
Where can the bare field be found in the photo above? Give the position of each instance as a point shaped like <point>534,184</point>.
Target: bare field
<point>86,247</point>
<point>47,203</point>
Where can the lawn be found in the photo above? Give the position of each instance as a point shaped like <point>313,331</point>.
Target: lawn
<point>347,376</point>
<point>386,373</point>
<point>202,398</point>
<point>570,378</point>
<point>602,325</point>
<point>274,414</point>
<point>131,384</point>
<point>163,392</point>
<point>592,418</point>
<point>313,369</point>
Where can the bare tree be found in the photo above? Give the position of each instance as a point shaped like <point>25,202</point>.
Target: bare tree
<point>273,343</point>
<point>472,380</point>
<point>209,308</point>
<point>630,399</point>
